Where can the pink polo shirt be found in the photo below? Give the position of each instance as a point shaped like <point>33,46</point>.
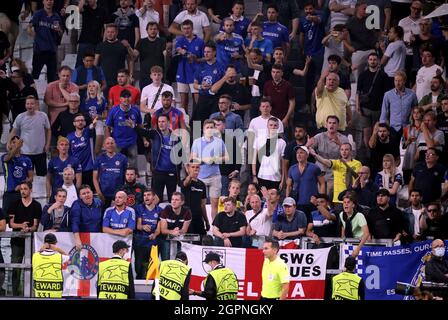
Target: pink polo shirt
<point>54,93</point>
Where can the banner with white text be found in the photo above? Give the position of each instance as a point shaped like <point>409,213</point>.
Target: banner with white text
<point>81,272</point>
<point>382,267</point>
<point>307,269</point>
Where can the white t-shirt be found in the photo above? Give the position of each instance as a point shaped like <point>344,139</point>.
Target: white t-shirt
<point>199,19</point>
<point>259,126</point>
<point>270,167</point>
<point>149,93</point>
<point>417,214</point>
<point>262,222</point>
<point>409,27</point>
<point>32,129</point>
<point>150,15</point>
<point>396,51</point>
<point>339,17</point>
<point>423,80</point>
<point>72,195</point>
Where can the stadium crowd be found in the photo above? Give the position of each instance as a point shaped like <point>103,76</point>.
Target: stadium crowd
<point>303,121</point>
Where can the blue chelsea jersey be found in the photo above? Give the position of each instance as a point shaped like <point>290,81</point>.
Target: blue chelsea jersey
<point>81,148</point>
<point>210,74</point>
<point>111,171</point>
<point>276,32</point>
<point>185,70</point>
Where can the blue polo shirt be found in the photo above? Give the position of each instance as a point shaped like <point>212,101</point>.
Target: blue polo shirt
<point>151,218</point>
<point>111,171</point>
<point>305,184</point>
<point>81,148</point>
<point>124,135</point>
<point>313,35</point>
<point>225,49</point>
<point>276,32</point>
<point>299,221</point>
<point>15,171</point>
<point>46,38</point>
<point>209,73</point>
<point>92,107</point>
<point>264,45</point>
<point>89,75</point>
<point>215,147</point>
<point>56,167</point>
<point>119,220</point>
<point>185,70</point>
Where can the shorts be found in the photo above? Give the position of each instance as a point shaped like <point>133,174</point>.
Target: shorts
<point>99,128</point>
<point>369,118</point>
<point>213,185</point>
<point>186,88</point>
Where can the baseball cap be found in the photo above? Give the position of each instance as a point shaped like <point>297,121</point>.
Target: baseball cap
<point>118,245</point>
<point>289,202</point>
<point>383,192</point>
<point>212,256</point>
<point>350,263</point>
<point>304,148</point>
<point>50,238</point>
<point>125,93</point>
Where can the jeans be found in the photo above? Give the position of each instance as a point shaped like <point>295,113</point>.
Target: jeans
<point>131,153</point>
<point>160,180</point>
<point>225,185</point>
<point>17,253</point>
<point>45,58</point>
<point>165,249</point>
<point>141,255</point>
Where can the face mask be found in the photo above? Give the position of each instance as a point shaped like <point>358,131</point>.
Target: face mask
<point>207,268</point>
<point>439,252</point>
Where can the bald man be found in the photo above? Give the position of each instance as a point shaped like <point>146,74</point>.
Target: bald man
<point>364,187</point>
<point>436,269</point>
<point>119,219</point>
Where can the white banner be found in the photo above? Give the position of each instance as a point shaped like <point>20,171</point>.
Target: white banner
<point>81,273</point>
<point>307,269</point>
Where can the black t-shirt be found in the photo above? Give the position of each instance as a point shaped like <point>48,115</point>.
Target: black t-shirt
<point>429,181</point>
<point>173,220</point>
<point>151,54</point>
<point>385,224</point>
<point>239,93</point>
<point>344,80</point>
<point>227,224</point>
<point>379,88</point>
<point>194,194</point>
<point>23,214</point>
<point>93,21</point>
<point>4,44</point>
<point>221,8</point>
<point>113,57</point>
<point>377,154</point>
<point>126,27</point>
<point>361,37</point>
<point>17,97</point>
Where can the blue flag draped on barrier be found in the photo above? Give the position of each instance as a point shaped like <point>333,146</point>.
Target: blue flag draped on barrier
<point>382,267</point>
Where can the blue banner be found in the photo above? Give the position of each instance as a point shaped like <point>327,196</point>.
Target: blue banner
<point>382,267</point>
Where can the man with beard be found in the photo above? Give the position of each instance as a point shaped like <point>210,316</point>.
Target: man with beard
<point>382,142</point>
<point>133,189</point>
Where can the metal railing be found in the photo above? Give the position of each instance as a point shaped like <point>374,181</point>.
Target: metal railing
<point>26,264</point>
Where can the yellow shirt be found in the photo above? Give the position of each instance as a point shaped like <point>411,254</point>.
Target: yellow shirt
<point>334,104</point>
<point>239,205</point>
<point>274,274</point>
<point>339,173</point>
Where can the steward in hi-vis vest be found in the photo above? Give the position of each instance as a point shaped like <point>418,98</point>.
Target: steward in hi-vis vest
<point>347,285</point>
<point>115,279</point>
<point>221,282</point>
<point>47,269</point>
<point>174,278</point>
